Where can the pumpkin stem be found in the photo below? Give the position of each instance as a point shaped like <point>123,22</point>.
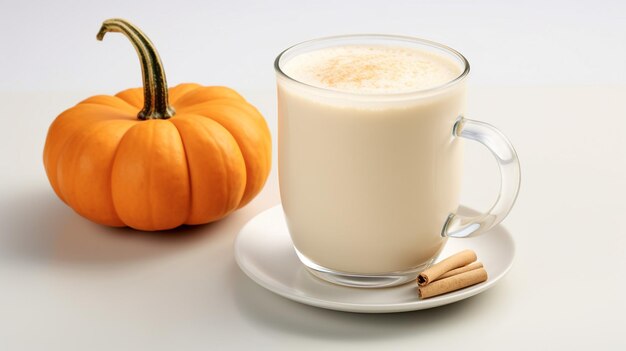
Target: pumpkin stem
<point>156,103</point>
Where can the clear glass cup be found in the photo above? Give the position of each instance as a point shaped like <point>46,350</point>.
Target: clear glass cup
<point>370,183</point>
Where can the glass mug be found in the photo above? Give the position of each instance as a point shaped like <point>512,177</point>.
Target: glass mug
<point>370,183</point>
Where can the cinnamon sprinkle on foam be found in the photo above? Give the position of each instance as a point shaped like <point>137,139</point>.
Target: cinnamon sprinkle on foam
<point>372,69</point>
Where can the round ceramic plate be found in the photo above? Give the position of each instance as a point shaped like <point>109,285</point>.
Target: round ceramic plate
<point>265,253</point>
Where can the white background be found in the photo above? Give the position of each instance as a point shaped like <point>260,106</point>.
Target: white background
<point>550,75</point>
<point>51,44</point>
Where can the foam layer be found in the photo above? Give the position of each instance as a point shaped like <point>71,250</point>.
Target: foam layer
<point>372,69</point>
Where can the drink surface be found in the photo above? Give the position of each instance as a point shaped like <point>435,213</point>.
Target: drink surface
<point>372,69</point>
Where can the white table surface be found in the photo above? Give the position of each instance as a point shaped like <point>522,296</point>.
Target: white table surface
<point>68,284</point>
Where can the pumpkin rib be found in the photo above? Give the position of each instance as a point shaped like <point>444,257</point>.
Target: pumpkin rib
<point>133,96</point>
<point>254,143</point>
<point>249,111</point>
<point>216,168</point>
<point>208,93</point>
<point>223,102</point>
<point>68,196</point>
<point>190,180</point>
<point>181,90</point>
<point>254,114</point>
<point>150,200</point>
<point>150,180</point>
<point>111,101</point>
<point>223,159</point>
<point>63,127</point>
<point>87,184</point>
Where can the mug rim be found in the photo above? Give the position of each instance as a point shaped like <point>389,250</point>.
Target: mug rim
<point>382,37</point>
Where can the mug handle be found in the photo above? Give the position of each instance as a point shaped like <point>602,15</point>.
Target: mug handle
<point>458,226</point>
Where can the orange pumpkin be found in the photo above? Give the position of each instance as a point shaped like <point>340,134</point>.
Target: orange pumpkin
<point>191,162</point>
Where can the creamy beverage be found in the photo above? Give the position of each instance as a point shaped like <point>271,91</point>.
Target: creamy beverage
<point>369,168</point>
<point>370,132</point>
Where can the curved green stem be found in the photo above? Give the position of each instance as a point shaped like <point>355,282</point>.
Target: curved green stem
<point>156,103</point>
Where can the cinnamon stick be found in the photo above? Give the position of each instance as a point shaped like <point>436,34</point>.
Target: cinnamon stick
<point>458,260</point>
<point>469,267</point>
<point>453,283</point>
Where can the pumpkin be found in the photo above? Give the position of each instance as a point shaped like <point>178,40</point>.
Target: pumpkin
<point>154,158</point>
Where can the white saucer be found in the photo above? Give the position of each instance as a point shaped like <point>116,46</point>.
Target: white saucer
<point>265,253</point>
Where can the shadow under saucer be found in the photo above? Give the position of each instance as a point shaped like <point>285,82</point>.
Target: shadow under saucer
<point>270,311</point>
